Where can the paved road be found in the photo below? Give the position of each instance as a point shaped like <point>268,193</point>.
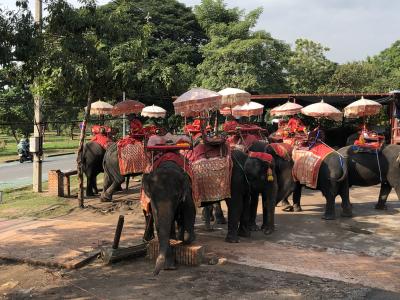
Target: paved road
<point>15,174</point>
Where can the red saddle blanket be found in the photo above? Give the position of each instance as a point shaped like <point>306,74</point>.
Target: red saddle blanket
<point>131,156</point>
<point>102,140</point>
<point>178,158</point>
<point>261,155</point>
<point>307,163</point>
<point>212,171</point>
<point>283,150</point>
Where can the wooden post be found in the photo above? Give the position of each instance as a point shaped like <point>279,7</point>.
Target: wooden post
<point>80,149</point>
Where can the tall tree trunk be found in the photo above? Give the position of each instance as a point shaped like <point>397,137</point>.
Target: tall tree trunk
<point>72,132</point>
<point>80,148</point>
<point>14,133</point>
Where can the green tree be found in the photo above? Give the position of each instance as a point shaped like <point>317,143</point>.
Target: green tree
<point>308,68</point>
<point>353,77</point>
<point>237,56</point>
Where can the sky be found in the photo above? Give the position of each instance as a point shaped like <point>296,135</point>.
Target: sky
<point>352,29</point>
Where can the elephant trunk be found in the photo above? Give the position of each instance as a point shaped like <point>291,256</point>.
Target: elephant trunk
<point>165,218</point>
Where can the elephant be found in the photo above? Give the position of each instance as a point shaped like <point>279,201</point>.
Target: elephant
<point>285,181</point>
<point>169,190</point>
<point>364,169</point>
<point>112,175</point>
<point>249,178</point>
<point>332,181</point>
<point>92,165</point>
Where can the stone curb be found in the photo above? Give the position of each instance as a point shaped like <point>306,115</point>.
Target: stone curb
<point>51,155</point>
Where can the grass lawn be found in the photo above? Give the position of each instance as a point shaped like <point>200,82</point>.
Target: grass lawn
<point>24,202</point>
<point>52,144</point>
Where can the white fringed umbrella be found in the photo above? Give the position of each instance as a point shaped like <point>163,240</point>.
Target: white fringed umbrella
<point>232,97</point>
<point>196,101</point>
<point>100,108</point>
<point>248,110</point>
<point>286,109</point>
<point>362,108</point>
<point>154,111</point>
<point>322,110</point>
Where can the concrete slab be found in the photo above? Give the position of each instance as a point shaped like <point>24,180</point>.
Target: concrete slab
<point>56,243</point>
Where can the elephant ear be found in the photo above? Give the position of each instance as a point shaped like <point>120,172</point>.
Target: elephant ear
<point>148,182</point>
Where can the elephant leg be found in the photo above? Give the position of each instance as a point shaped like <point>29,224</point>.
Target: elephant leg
<point>268,212</point>
<point>297,197</point>
<point>253,212</point>
<point>89,186</point>
<point>219,214</point>
<point>149,230</point>
<point>172,233</point>
<point>106,196</point>
<point>207,212</point>
<point>164,218</point>
<point>346,205</point>
<point>244,229</point>
<point>384,192</point>
<point>95,189</point>
<point>330,205</point>
<point>189,218</point>
<point>127,183</point>
<point>235,207</point>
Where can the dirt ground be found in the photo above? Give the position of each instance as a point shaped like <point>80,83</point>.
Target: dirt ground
<point>306,258</point>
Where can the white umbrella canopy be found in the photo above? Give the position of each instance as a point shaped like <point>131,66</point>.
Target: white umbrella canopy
<point>287,109</point>
<point>248,110</point>
<point>362,108</point>
<point>154,111</point>
<point>233,96</point>
<point>322,110</point>
<point>100,108</point>
<point>195,101</point>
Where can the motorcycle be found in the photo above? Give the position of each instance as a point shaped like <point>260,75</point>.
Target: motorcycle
<point>23,151</point>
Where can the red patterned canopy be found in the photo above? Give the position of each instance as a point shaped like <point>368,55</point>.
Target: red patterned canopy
<point>286,109</point>
<point>127,107</point>
<point>197,100</point>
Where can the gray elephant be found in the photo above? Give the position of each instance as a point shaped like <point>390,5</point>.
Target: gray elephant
<point>92,165</point>
<point>285,181</point>
<point>366,170</point>
<point>249,178</point>
<point>112,174</point>
<point>332,181</point>
<point>169,190</point>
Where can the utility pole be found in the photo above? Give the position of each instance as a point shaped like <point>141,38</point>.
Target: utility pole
<point>37,126</point>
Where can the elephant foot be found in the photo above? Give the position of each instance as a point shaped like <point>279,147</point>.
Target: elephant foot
<point>268,230</point>
<point>189,237</point>
<point>285,203</point>
<point>90,194</point>
<point>170,265</point>
<point>244,232</point>
<point>288,208</point>
<point>221,220</point>
<point>381,206</point>
<point>105,198</point>
<point>119,189</point>
<point>232,239</point>
<point>254,227</point>
<point>347,213</point>
<point>208,227</point>
<point>297,208</point>
<point>328,217</point>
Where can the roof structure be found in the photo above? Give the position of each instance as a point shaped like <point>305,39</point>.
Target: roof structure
<point>339,100</point>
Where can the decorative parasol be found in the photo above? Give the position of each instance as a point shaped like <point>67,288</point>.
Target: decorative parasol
<point>127,107</point>
<point>362,108</point>
<point>196,101</point>
<point>232,97</point>
<point>248,110</point>
<point>100,108</point>
<point>322,109</point>
<point>286,109</point>
<point>153,112</point>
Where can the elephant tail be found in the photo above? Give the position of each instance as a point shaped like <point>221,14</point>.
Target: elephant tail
<point>343,164</point>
